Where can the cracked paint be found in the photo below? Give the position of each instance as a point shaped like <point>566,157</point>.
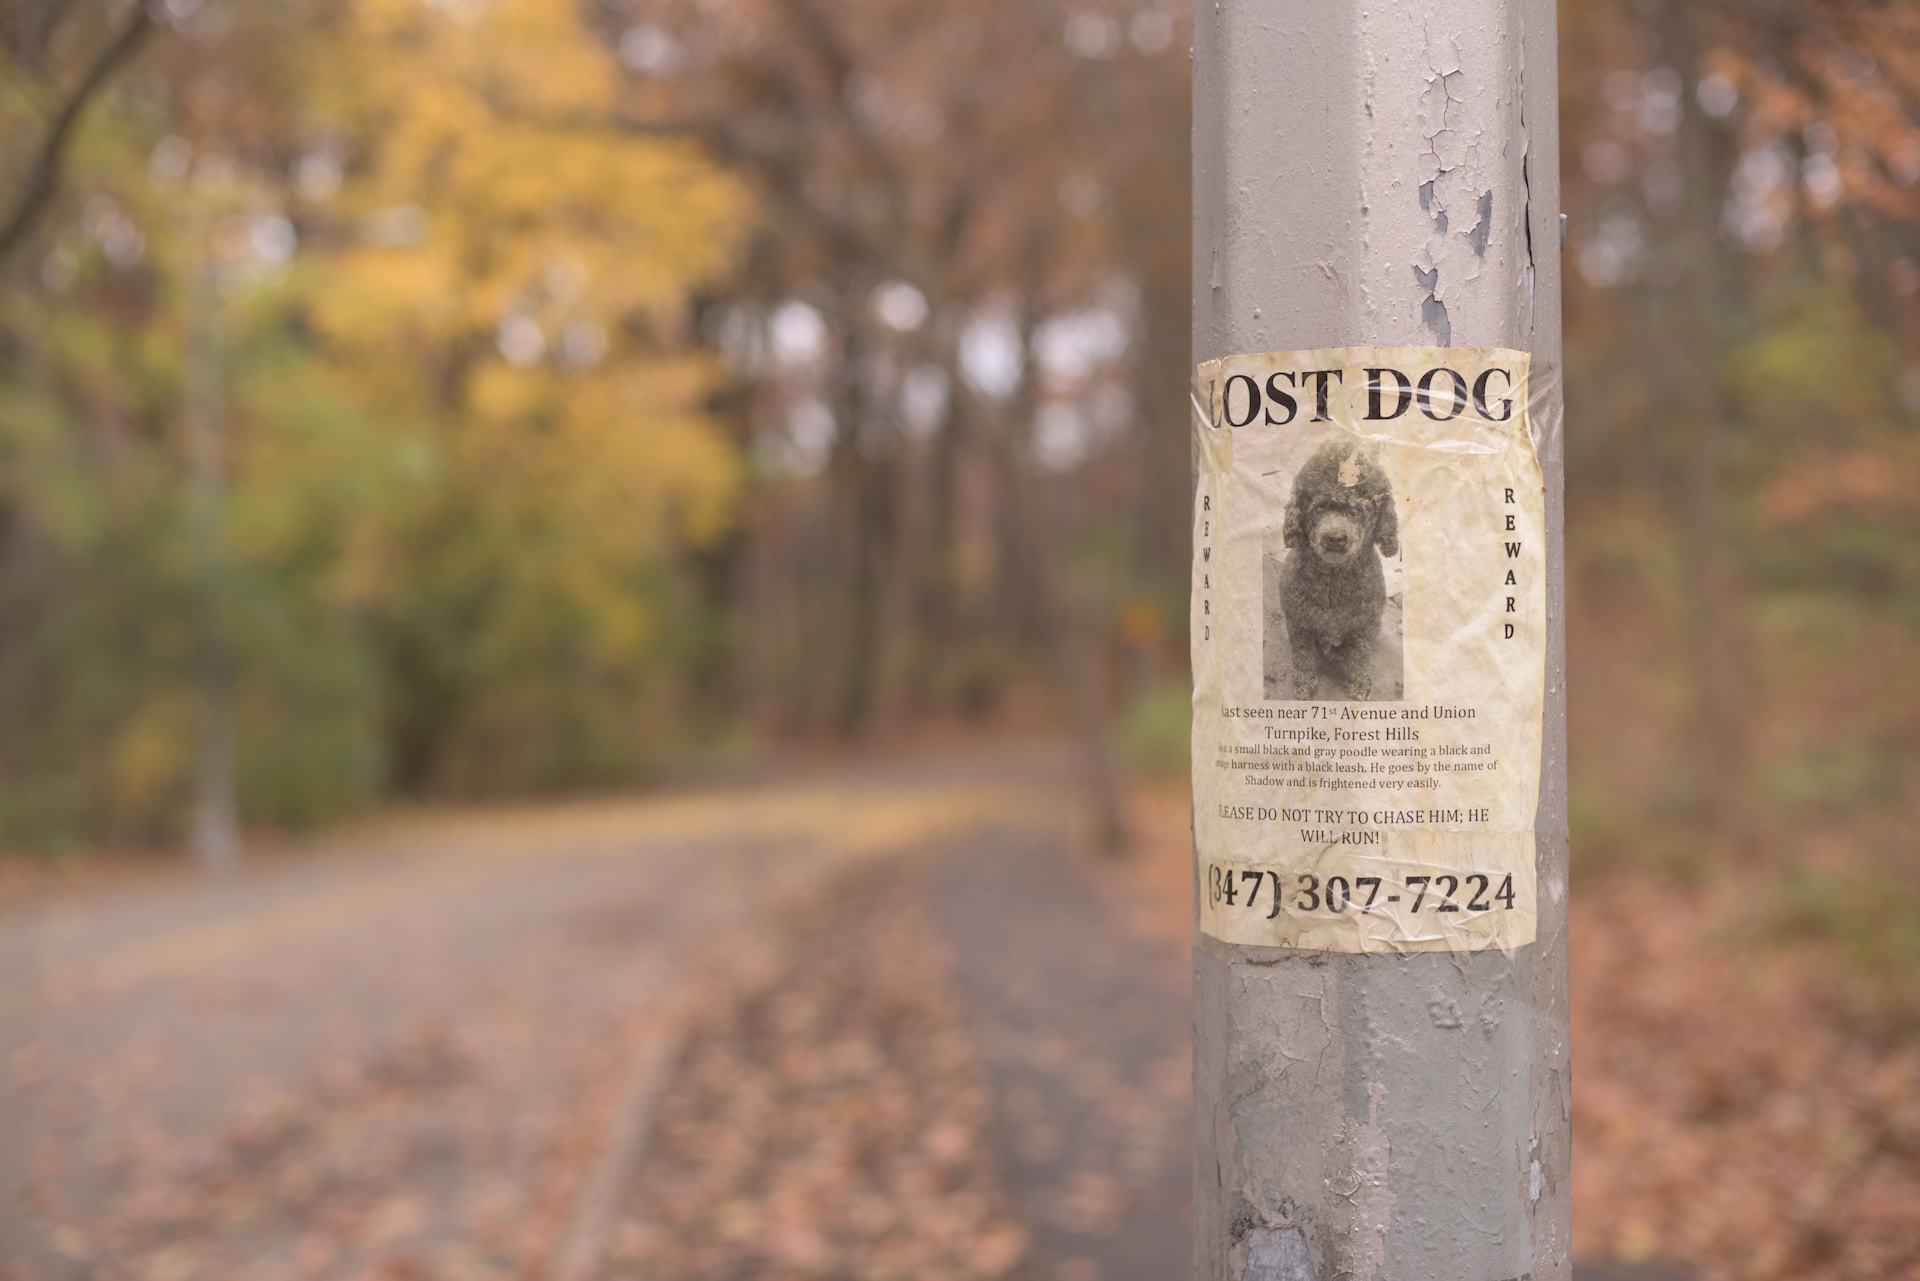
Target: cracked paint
<point>1278,1254</point>
<point>1456,192</point>
<point>1483,228</point>
<point>1360,1177</point>
<point>1433,312</point>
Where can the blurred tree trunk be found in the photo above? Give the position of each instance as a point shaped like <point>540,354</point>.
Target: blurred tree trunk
<point>1688,338</point>
<point>1153,197</point>
<point>216,823</point>
<point>903,563</point>
<point>936,620</point>
<point>994,428</point>
<point>1165,381</point>
<point>33,36</point>
<point>720,572</point>
<point>864,504</point>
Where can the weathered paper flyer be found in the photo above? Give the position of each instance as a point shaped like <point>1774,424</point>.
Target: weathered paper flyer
<point>1369,649</point>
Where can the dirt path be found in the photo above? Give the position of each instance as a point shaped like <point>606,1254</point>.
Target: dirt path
<point>829,1118</point>
<point>1084,1031</point>
<point>874,1023</point>
<point>402,1058</point>
<point>963,1066</point>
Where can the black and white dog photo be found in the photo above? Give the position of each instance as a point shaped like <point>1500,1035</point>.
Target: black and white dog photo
<point>1333,630</point>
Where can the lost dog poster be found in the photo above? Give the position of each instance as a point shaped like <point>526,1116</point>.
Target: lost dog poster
<point>1369,649</point>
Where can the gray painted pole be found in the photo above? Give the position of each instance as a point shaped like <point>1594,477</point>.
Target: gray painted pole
<point>1378,1116</point>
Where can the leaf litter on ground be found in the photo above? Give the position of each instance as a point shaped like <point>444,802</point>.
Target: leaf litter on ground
<point>830,1118</point>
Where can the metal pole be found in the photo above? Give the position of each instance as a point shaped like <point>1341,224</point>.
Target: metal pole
<point>1372,173</point>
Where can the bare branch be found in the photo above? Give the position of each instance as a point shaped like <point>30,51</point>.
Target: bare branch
<point>43,176</point>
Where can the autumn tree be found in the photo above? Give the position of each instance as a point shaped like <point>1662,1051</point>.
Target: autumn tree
<point>1741,190</point>
<point>463,418</point>
<point>939,190</point>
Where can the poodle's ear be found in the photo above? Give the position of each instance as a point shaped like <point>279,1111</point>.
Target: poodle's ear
<point>1386,527</point>
<point>1293,530</point>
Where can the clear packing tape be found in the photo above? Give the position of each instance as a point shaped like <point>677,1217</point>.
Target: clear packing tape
<point>1369,636</point>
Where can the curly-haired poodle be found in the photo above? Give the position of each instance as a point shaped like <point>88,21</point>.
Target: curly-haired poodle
<point>1333,592</point>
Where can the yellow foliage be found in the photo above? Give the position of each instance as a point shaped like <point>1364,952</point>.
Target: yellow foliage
<point>496,291</point>
<point>488,183</point>
<point>506,252</point>
<point>462,416</point>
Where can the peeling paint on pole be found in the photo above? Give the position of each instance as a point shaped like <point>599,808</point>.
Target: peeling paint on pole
<point>1376,174</point>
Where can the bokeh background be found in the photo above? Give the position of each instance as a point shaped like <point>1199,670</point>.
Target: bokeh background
<point>435,412</point>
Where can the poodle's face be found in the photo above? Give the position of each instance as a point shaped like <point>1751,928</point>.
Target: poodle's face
<point>1342,508</point>
<point>1337,533</point>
